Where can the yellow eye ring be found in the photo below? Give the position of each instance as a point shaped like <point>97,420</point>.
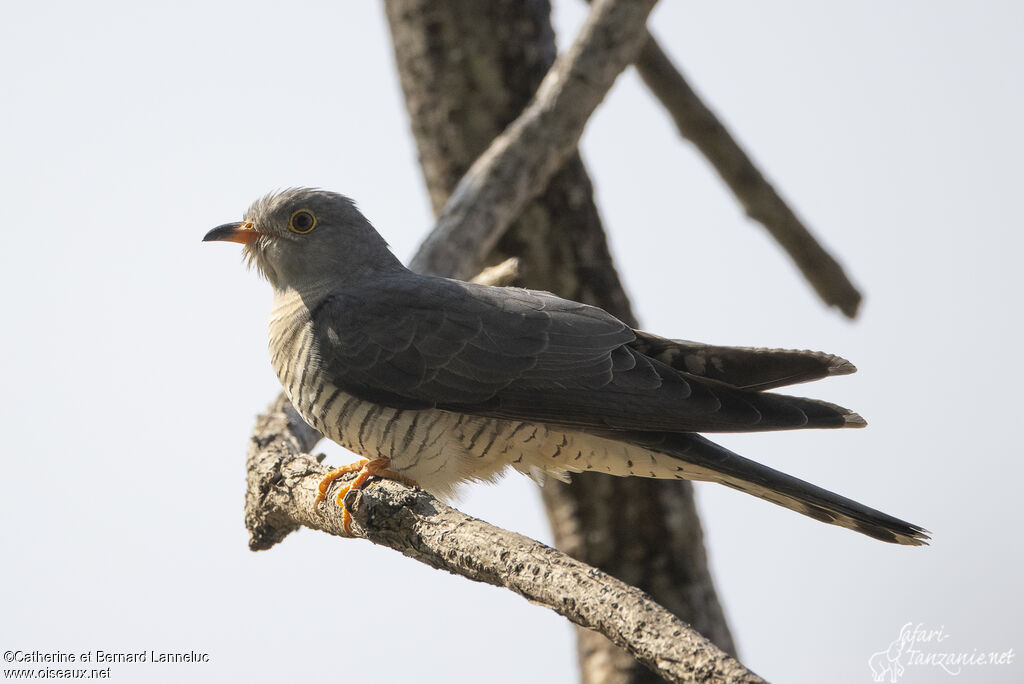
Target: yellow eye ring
<point>302,222</point>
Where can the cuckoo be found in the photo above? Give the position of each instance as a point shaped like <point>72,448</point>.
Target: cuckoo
<point>437,381</point>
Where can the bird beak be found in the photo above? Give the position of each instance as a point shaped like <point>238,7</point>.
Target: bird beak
<point>233,232</point>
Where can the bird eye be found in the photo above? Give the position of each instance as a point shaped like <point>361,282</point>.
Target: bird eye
<point>302,222</point>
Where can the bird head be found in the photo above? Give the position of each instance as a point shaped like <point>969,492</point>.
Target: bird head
<point>301,238</point>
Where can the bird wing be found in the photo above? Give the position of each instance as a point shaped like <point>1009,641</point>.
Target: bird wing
<point>417,342</point>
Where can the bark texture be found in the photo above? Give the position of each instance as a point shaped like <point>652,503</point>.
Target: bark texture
<point>467,70</point>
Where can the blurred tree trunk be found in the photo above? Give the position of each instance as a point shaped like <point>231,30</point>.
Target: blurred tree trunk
<point>467,69</point>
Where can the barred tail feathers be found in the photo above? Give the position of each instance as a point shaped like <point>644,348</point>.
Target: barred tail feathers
<point>692,457</point>
<point>733,470</point>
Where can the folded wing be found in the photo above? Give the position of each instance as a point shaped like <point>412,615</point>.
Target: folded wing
<point>525,355</point>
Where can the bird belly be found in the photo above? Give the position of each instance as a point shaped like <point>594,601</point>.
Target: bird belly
<point>430,447</point>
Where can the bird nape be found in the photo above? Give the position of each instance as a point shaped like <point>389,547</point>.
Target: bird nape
<point>438,381</point>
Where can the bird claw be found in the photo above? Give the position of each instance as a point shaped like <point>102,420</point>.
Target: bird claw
<point>365,469</point>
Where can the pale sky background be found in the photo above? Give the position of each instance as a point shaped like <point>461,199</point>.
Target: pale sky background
<point>135,356</point>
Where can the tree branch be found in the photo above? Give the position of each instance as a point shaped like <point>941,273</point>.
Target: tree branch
<point>698,124</point>
<point>520,162</point>
<point>500,275</point>
<point>283,484</point>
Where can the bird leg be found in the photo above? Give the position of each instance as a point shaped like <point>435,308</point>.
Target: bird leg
<point>366,469</point>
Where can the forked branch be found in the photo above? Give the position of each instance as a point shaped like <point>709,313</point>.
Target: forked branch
<point>521,161</point>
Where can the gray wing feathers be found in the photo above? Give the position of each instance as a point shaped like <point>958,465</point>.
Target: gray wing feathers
<point>418,342</point>
<point>424,342</point>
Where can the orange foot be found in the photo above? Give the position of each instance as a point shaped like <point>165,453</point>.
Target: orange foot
<point>366,469</point>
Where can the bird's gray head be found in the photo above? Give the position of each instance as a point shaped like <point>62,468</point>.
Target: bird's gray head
<point>301,238</point>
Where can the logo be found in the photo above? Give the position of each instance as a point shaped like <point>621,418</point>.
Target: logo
<point>930,651</point>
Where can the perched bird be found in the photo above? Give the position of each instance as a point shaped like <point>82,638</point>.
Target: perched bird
<point>438,381</point>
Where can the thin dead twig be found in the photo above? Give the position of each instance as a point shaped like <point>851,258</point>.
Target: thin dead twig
<point>500,274</point>
<point>698,124</point>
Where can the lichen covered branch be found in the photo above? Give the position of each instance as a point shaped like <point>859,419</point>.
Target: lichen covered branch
<point>282,489</point>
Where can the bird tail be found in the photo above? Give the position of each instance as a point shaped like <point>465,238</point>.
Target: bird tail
<point>753,369</point>
<point>696,458</point>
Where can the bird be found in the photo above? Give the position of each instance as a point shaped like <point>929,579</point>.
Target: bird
<point>437,382</point>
